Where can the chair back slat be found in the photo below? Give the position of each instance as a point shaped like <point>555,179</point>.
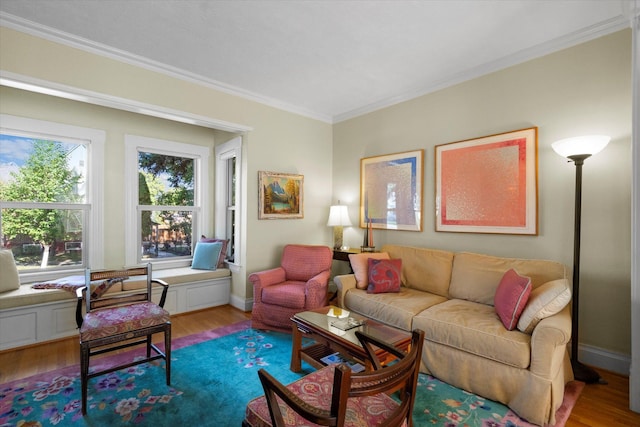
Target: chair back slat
<point>95,278</point>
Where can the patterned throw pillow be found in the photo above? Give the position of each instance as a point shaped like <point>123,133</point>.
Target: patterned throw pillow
<point>384,275</point>
<point>360,266</point>
<point>511,297</point>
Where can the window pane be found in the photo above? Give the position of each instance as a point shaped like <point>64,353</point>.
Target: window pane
<point>43,238</point>
<point>165,180</point>
<point>38,170</point>
<point>166,234</point>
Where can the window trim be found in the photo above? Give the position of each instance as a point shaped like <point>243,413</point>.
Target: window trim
<point>225,151</point>
<point>134,144</point>
<point>93,231</point>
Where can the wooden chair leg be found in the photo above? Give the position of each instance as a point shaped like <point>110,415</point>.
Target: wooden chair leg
<point>84,374</point>
<point>167,353</point>
<point>149,345</point>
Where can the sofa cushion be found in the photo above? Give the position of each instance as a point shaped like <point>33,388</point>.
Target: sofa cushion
<point>384,275</point>
<point>394,309</point>
<point>476,329</point>
<point>9,279</point>
<point>360,266</point>
<point>424,269</point>
<point>475,277</point>
<point>544,301</point>
<point>511,297</point>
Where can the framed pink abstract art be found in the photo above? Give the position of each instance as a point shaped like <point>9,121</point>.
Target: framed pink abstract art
<point>488,184</point>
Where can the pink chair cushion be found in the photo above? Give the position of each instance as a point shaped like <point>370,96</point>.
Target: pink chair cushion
<point>117,320</point>
<point>287,294</point>
<point>315,389</point>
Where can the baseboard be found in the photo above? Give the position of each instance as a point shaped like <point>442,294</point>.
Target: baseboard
<point>605,359</point>
<point>241,303</point>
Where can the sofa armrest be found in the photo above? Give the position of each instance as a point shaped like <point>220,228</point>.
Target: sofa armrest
<point>549,343</point>
<point>344,283</point>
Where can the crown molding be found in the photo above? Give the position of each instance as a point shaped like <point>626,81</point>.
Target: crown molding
<point>32,84</point>
<point>586,34</point>
<point>51,34</point>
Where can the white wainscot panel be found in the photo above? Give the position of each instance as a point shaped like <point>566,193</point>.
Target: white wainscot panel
<point>18,329</point>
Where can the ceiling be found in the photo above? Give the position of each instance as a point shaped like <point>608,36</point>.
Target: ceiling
<point>329,60</point>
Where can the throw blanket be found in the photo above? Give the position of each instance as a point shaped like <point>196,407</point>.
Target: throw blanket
<point>71,283</point>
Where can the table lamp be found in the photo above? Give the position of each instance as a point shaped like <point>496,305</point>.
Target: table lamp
<point>338,219</point>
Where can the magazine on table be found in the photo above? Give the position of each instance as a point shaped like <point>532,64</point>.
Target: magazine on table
<point>338,358</point>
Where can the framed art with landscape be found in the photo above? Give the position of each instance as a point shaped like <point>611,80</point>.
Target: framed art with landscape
<point>488,184</point>
<point>281,195</point>
<point>391,191</point>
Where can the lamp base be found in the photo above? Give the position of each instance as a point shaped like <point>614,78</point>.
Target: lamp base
<point>584,373</point>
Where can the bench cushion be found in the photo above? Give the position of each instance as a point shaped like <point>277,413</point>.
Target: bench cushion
<point>26,295</point>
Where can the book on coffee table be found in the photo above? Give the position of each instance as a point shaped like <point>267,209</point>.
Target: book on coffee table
<point>338,358</point>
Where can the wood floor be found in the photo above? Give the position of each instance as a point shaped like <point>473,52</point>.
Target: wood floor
<point>598,405</point>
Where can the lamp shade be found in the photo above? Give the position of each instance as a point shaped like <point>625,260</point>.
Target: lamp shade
<point>338,215</point>
<point>580,145</point>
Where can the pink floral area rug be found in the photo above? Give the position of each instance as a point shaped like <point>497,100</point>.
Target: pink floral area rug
<point>214,375</point>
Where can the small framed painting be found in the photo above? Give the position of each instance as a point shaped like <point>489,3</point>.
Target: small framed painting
<point>281,195</point>
<point>391,191</point>
<point>488,184</point>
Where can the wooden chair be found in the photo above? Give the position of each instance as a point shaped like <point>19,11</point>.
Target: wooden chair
<point>334,396</point>
<point>113,322</point>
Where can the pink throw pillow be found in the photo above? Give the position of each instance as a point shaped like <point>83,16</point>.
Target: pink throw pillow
<point>511,297</point>
<point>384,275</point>
<point>361,268</point>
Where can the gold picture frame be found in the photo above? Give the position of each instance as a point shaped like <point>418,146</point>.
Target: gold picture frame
<point>391,191</point>
<point>488,184</point>
<point>281,195</point>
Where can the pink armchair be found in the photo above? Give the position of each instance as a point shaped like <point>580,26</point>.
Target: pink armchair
<point>299,284</point>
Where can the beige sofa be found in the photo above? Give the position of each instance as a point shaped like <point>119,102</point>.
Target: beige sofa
<point>450,296</point>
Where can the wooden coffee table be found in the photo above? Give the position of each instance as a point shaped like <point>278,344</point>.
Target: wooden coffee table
<point>316,324</point>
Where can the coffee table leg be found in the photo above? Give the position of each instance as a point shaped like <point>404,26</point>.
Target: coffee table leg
<point>296,347</point>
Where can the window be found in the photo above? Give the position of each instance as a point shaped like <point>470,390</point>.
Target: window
<point>228,166</point>
<point>49,194</point>
<point>165,211</point>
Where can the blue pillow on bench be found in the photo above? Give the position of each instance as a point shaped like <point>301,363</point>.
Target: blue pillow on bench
<point>205,256</point>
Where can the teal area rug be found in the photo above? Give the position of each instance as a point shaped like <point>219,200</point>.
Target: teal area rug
<point>214,375</point>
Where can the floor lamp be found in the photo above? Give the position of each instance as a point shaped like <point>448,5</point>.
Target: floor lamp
<point>577,150</point>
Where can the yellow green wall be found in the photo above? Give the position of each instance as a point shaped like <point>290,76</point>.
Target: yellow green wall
<point>582,90</point>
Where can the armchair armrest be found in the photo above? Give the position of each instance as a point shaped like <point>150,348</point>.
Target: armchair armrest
<point>316,290</point>
<point>165,287</point>
<point>265,278</point>
<point>344,283</point>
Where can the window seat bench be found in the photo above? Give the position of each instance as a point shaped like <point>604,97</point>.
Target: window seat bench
<point>29,316</point>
